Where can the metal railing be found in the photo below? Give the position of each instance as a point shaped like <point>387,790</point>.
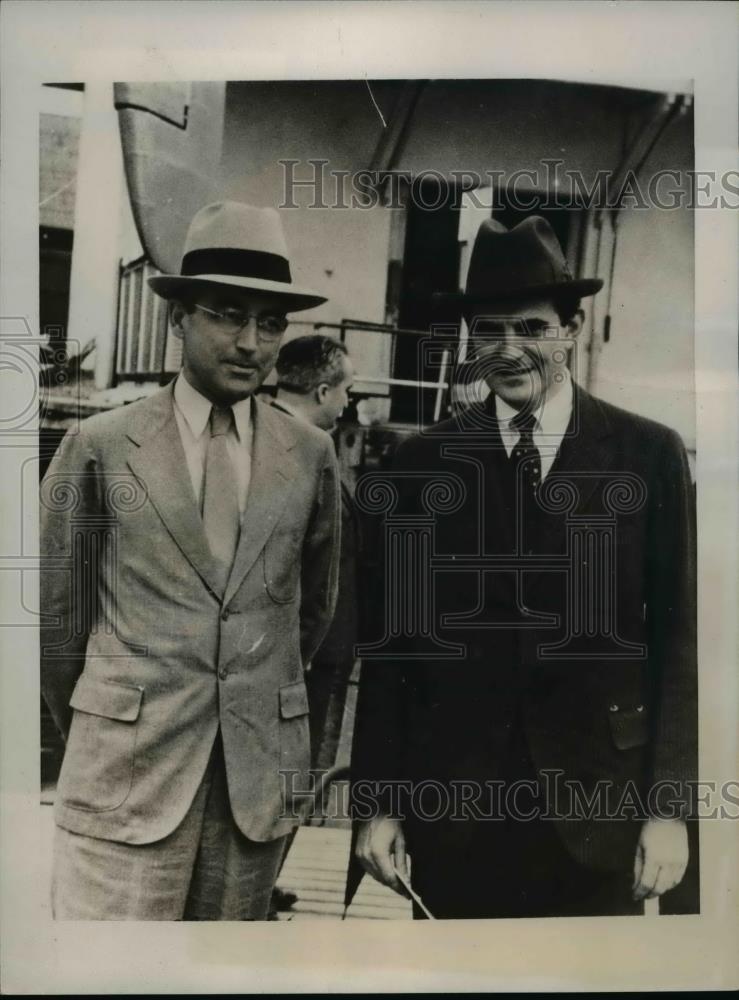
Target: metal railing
<point>441,386</point>
<point>142,327</point>
<point>145,351</point>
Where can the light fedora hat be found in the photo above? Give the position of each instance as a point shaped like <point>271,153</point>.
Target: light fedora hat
<point>230,243</point>
<point>526,261</point>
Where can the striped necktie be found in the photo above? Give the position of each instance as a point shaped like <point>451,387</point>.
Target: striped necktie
<point>525,457</point>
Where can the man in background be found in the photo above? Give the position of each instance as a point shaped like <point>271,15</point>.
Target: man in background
<point>314,376</point>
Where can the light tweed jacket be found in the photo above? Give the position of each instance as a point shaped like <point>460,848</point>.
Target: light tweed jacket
<point>143,658</point>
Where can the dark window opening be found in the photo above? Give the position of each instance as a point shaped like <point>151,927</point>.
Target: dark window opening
<point>55,268</point>
<point>430,264</point>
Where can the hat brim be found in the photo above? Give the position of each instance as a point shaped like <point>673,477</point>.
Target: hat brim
<point>581,288</point>
<point>169,286</point>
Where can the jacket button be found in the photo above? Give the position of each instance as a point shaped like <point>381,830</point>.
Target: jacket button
<point>225,615</point>
<point>223,673</point>
<point>613,708</point>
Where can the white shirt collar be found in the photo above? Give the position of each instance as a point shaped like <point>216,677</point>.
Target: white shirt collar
<point>552,417</point>
<point>195,408</point>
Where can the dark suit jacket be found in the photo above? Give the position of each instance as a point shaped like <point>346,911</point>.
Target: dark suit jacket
<point>620,709</point>
<point>144,657</point>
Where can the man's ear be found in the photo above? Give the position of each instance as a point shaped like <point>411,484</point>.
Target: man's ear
<point>575,325</point>
<point>320,392</point>
<point>177,313</point>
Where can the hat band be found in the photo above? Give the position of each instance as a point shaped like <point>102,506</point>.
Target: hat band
<point>238,263</point>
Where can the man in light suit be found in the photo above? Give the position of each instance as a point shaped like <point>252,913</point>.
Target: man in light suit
<point>532,747</point>
<point>190,551</point>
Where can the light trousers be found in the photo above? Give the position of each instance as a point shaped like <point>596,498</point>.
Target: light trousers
<point>206,869</point>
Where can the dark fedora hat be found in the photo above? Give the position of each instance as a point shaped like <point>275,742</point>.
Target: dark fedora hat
<point>524,261</point>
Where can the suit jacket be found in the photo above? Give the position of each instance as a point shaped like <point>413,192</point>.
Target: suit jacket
<point>143,656</point>
<point>620,710</point>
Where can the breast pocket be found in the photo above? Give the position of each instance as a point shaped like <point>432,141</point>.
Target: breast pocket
<point>629,726</point>
<point>97,773</point>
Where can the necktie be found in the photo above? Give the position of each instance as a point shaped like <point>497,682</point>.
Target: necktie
<point>220,496</point>
<point>525,457</point>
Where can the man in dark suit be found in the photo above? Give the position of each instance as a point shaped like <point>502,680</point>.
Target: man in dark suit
<point>530,740</point>
<point>189,567</point>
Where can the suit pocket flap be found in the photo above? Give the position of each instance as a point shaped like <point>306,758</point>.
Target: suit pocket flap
<point>107,698</point>
<point>293,700</point>
<point>629,727</point>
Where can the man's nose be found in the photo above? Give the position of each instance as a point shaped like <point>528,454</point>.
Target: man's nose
<point>514,332</point>
<point>510,340</point>
<point>247,339</point>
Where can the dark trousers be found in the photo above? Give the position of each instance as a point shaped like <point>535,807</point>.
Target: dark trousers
<point>514,870</point>
<point>509,867</point>
<point>326,683</point>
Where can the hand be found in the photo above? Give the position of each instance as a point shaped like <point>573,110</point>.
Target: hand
<point>661,857</point>
<point>380,845</point>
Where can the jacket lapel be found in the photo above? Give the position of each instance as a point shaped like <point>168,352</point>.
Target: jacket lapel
<point>159,462</point>
<point>583,459</point>
<point>272,467</point>
<point>583,454</point>
<point>484,525</point>
<point>491,515</point>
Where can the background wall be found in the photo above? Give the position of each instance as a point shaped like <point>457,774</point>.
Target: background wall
<point>503,125</point>
<point>341,253</point>
<point>648,365</point>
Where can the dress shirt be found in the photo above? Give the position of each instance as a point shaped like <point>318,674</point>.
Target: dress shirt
<point>552,420</point>
<point>192,412</point>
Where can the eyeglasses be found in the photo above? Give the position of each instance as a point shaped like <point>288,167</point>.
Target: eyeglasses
<point>270,326</point>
